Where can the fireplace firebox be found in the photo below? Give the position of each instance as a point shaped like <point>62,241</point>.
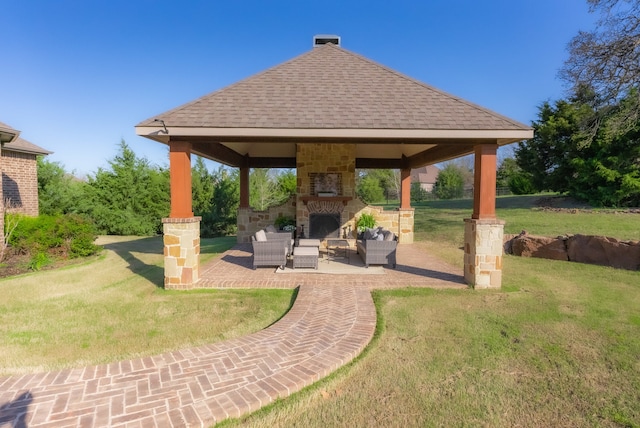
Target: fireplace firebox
<point>324,225</point>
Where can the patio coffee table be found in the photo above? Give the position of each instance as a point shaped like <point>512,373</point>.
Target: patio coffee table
<point>305,257</point>
<point>338,249</point>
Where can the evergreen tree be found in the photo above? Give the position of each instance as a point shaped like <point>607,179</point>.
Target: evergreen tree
<point>222,218</point>
<point>202,187</point>
<point>58,191</point>
<point>131,197</point>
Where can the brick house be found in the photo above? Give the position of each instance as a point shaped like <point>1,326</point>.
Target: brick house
<point>327,113</point>
<point>19,190</point>
<point>426,176</point>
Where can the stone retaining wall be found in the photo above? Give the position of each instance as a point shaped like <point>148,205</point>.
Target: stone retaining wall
<point>598,250</point>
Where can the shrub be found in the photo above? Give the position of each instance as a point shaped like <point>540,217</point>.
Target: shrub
<point>282,221</point>
<point>68,236</point>
<point>39,261</point>
<point>365,221</point>
<point>521,184</point>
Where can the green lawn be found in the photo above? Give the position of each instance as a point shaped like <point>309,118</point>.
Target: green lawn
<point>113,307</point>
<point>559,345</point>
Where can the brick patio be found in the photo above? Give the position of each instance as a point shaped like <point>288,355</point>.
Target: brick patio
<point>330,323</point>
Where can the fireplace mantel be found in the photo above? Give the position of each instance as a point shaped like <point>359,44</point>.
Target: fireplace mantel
<point>343,199</point>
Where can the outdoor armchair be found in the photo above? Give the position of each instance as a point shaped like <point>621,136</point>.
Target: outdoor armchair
<point>270,252</point>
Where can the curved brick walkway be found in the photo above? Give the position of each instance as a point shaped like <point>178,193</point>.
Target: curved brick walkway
<point>326,328</point>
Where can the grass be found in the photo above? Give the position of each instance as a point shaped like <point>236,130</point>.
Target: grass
<point>113,307</point>
<point>559,345</point>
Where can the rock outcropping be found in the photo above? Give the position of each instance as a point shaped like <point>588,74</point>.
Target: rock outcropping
<point>598,250</point>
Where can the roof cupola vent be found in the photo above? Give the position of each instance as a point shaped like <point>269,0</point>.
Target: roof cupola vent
<point>323,39</point>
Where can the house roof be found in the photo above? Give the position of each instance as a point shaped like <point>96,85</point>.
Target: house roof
<point>425,174</point>
<point>330,94</point>
<point>18,144</point>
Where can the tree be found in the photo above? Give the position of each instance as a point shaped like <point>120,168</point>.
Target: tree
<point>369,189</point>
<point>263,189</point>
<point>557,139</point>
<point>601,167</point>
<point>222,218</point>
<point>418,194</point>
<point>58,191</point>
<point>131,197</point>
<point>450,182</point>
<point>507,169</point>
<point>607,59</point>
<point>287,184</point>
<point>202,187</point>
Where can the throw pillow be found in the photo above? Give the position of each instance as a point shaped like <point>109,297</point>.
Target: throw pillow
<point>271,229</point>
<point>261,236</point>
<point>370,234</point>
<point>390,236</point>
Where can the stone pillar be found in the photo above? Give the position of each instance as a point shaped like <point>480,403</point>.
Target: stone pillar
<point>483,252</point>
<point>405,226</point>
<point>181,252</point>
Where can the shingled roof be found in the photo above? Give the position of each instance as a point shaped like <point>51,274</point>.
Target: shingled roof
<point>19,144</point>
<point>330,94</point>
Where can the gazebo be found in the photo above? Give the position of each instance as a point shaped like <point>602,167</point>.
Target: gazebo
<point>327,113</point>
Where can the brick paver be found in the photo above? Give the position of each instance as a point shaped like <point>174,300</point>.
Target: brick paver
<point>330,323</point>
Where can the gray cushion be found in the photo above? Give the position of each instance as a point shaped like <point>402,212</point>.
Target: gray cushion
<point>389,236</point>
<point>271,229</point>
<point>370,234</point>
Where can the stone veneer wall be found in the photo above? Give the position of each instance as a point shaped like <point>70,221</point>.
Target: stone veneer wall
<point>326,158</point>
<point>483,242</point>
<point>181,252</point>
<point>341,158</point>
<point>250,221</point>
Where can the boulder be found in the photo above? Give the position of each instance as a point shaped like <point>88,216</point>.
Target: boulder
<point>540,247</point>
<point>604,251</point>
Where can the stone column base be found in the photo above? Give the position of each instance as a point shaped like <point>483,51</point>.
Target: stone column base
<point>483,253</point>
<point>405,225</point>
<point>181,252</point>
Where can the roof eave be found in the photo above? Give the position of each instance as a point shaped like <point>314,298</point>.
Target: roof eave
<point>501,136</point>
<point>8,135</point>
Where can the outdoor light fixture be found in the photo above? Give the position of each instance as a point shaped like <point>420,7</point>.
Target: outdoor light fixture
<point>166,131</point>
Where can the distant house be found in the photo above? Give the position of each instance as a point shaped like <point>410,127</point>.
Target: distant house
<point>426,176</point>
<point>19,190</point>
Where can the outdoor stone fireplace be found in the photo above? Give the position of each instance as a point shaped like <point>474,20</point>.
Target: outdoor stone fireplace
<point>326,184</point>
<point>324,225</point>
<point>325,217</point>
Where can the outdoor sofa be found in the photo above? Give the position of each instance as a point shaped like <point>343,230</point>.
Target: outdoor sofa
<point>271,248</point>
<point>377,247</point>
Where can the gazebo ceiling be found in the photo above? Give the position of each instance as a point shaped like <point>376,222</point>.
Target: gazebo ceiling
<point>331,95</point>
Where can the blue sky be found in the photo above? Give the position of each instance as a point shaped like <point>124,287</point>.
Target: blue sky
<point>78,75</point>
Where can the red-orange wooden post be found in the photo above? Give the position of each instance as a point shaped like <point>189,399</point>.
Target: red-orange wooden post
<point>484,188</point>
<point>180,176</point>
<point>405,188</point>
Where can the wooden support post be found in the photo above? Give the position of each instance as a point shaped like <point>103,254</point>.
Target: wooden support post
<point>484,188</point>
<point>180,177</point>
<point>244,187</point>
<point>405,188</point>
